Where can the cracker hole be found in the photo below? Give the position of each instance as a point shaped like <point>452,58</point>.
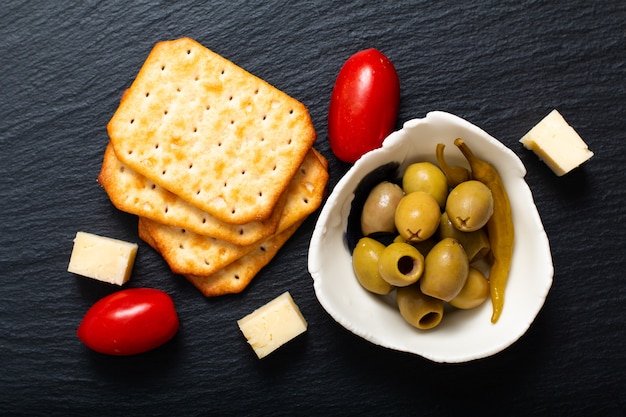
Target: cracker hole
<point>178,89</point>
<point>256,91</point>
<point>162,67</point>
<point>241,232</point>
<point>207,262</point>
<point>274,168</point>
<point>219,144</point>
<point>203,220</point>
<point>236,276</point>
<point>130,151</point>
<point>148,94</point>
<point>223,71</point>
<point>233,211</point>
<point>181,246</point>
<point>163,172</point>
<point>260,193</point>
<point>165,112</point>
<point>132,121</point>
<point>153,186</point>
<point>289,141</point>
<point>198,193</point>
<point>190,165</point>
<point>166,209</point>
<point>195,129</point>
<point>122,169</point>
<point>243,172</point>
<point>156,146</point>
<point>188,51</point>
<point>207,107</point>
<point>230,98</point>
<point>291,111</point>
<point>303,171</point>
<point>264,116</point>
<point>305,200</point>
<point>197,78</point>
<point>232,122</point>
<point>262,248</point>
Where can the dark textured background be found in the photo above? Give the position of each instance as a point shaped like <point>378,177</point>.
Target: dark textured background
<point>501,65</point>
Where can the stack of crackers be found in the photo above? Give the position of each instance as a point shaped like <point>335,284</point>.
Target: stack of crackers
<point>218,165</point>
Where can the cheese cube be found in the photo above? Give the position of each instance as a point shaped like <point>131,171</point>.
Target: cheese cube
<point>102,258</point>
<point>557,144</point>
<point>272,325</point>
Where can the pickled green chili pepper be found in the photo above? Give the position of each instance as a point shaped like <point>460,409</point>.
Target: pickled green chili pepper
<point>499,227</point>
<point>454,174</point>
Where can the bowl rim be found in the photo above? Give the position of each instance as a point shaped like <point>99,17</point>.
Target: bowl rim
<point>512,171</point>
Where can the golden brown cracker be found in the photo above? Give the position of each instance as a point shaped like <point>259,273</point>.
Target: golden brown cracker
<point>306,190</point>
<point>236,276</point>
<point>210,132</point>
<point>133,193</point>
<point>187,252</point>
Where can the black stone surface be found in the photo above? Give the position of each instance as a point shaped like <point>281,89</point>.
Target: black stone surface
<point>501,65</point>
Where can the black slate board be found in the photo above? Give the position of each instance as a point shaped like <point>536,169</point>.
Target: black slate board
<point>502,66</point>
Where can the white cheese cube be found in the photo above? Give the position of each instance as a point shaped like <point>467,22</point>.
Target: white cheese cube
<point>272,325</point>
<point>557,144</point>
<point>102,258</point>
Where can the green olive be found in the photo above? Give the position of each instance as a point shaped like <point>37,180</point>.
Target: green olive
<point>427,177</point>
<point>417,216</point>
<point>365,264</point>
<point>418,309</point>
<point>423,246</point>
<point>380,208</point>
<point>445,270</point>
<point>469,205</point>
<point>400,264</point>
<point>476,243</point>
<point>474,292</point>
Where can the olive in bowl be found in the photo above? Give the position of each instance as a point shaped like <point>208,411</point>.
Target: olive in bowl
<point>463,334</point>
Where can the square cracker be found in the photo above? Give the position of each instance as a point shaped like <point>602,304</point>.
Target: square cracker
<point>210,132</point>
<point>135,194</point>
<point>188,253</point>
<point>236,276</point>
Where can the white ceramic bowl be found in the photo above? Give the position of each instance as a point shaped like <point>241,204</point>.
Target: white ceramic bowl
<point>463,335</point>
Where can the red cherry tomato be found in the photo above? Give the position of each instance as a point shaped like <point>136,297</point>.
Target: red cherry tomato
<point>129,322</point>
<point>364,105</point>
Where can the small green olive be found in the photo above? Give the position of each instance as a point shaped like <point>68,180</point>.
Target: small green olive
<point>476,243</point>
<point>445,270</point>
<point>474,292</point>
<point>380,208</point>
<point>469,205</point>
<point>417,216</point>
<point>427,177</point>
<point>418,309</point>
<point>365,264</point>
<point>423,246</point>
<point>400,264</point>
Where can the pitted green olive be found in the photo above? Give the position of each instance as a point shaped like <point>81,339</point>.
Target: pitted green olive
<point>418,309</point>
<point>365,263</point>
<point>400,264</point>
<point>380,208</point>
<point>469,205</point>
<point>427,177</point>
<point>445,270</point>
<point>474,292</point>
<point>476,243</point>
<point>417,216</point>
